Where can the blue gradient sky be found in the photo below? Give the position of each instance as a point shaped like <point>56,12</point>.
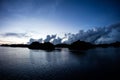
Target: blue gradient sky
<point>37,18</point>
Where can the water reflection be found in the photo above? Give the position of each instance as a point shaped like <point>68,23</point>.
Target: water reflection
<point>59,64</point>
<point>56,57</point>
<point>90,58</point>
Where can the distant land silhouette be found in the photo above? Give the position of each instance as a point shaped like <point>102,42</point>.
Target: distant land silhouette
<point>81,45</point>
<point>43,46</point>
<point>62,45</point>
<point>77,45</point>
<point>15,45</point>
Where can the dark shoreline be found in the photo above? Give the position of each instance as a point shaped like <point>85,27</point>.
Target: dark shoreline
<point>78,45</point>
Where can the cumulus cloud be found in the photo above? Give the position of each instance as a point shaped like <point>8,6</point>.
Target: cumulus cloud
<point>40,40</point>
<point>32,40</point>
<point>49,37</point>
<point>112,35</point>
<point>97,35</point>
<point>57,40</point>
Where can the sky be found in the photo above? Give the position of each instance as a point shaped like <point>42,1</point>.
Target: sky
<point>21,20</point>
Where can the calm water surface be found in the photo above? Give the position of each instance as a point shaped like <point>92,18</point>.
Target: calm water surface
<point>60,64</point>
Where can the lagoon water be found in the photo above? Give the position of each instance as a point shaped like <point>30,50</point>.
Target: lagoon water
<point>60,64</point>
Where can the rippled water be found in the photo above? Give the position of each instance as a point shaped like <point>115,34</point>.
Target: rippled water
<point>60,64</point>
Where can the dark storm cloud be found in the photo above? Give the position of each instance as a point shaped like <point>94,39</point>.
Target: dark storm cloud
<point>19,35</point>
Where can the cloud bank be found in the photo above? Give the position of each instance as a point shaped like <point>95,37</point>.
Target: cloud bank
<point>98,35</point>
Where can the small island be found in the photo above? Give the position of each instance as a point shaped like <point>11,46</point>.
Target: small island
<point>43,46</point>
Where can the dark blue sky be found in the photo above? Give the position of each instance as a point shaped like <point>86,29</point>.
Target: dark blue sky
<point>44,17</point>
<point>90,12</point>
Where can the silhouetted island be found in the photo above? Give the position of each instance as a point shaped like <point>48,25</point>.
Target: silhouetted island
<point>43,46</point>
<point>77,45</point>
<point>81,45</point>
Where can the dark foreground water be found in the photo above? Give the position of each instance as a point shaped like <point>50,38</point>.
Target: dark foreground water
<point>61,64</point>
